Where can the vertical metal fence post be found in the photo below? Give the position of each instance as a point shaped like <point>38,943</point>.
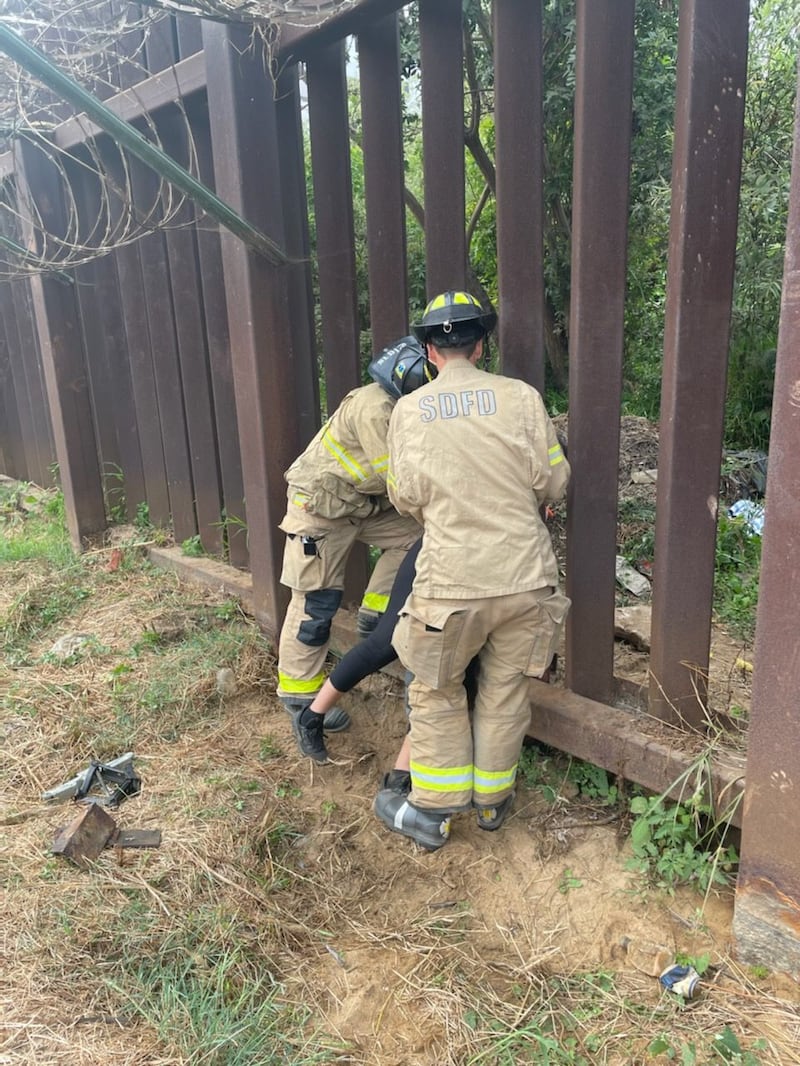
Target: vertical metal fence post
<point>767,910</point>
<point>384,179</point>
<point>268,391</point>
<point>442,60</point>
<point>520,194</point>
<point>604,81</point>
<point>712,72</point>
<point>58,327</point>
<point>333,213</point>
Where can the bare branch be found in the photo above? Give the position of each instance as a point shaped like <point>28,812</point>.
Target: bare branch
<point>483,199</point>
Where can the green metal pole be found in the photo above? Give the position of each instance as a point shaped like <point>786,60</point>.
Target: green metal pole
<point>26,256</point>
<point>38,64</point>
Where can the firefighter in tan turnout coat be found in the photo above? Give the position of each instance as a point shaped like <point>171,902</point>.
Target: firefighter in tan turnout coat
<point>473,456</point>
<point>337,496</point>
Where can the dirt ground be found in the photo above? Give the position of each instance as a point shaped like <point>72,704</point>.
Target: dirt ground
<point>535,944</point>
<point>394,949</point>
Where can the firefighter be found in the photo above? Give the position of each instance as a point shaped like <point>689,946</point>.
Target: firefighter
<point>337,496</point>
<point>473,457</point>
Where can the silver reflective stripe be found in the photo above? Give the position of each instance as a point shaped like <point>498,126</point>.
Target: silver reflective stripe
<point>398,818</point>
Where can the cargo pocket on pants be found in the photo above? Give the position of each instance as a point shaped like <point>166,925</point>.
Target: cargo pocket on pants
<point>302,562</point>
<point>426,642</point>
<point>553,611</point>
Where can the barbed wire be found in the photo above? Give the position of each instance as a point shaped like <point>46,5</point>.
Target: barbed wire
<point>287,12</point>
<point>102,45</point>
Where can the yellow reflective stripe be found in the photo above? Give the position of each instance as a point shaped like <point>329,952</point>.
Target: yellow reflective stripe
<point>441,779</point>
<point>379,464</point>
<point>556,455</point>
<point>291,685</point>
<point>490,781</point>
<point>390,479</point>
<point>300,499</point>
<point>342,456</point>
<point>374,601</point>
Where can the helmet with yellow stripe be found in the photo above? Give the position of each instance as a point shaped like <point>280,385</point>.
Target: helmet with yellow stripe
<point>402,367</point>
<point>454,320</point>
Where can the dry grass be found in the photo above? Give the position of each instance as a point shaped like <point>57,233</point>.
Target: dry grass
<point>277,922</point>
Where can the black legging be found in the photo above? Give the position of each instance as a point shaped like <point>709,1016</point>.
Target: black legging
<point>376,651</point>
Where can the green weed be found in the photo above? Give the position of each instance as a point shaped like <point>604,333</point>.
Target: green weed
<point>568,882</point>
<point>212,998</point>
<point>114,493</point>
<point>41,534</point>
<point>636,522</point>
<point>679,843</point>
<point>192,546</point>
<point>171,686</point>
<point>594,783</point>
<point>141,518</point>
<point>722,1048</point>
<point>268,749</point>
<point>738,560</point>
<point>43,606</point>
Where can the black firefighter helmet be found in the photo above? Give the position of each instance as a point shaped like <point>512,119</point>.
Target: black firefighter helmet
<point>402,367</point>
<point>454,320</point>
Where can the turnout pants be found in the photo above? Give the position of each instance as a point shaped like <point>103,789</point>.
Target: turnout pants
<point>314,562</point>
<point>455,764</point>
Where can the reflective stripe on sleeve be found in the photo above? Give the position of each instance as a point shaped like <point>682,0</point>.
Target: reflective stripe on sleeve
<point>374,601</point>
<point>555,454</point>
<point>343,457</point>
<point>291,686</point>
<point>488,782</point>
<point>441,779</point>
<point>380,464</point>
<point>300,499</point>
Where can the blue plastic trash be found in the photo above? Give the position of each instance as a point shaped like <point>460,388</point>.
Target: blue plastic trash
<point>682,980</point>
<point>752,513</point>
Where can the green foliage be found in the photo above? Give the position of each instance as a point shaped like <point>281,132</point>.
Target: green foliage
<point>594,783</point>
<point>142,517</point>
<point>211,997</point>
<point>39,534</point>
<point>678,843</point>
<point>725,1047</point>
<point>193,546</point>
<point>569,882</point>
<point>769,119</point>
<point>541,772</point>
<point>534,1043</point>
<point>114,493</point>
<point>738,559</point>
<point>41,607</point>
<point>636,520</point>
<point>765,174</point>
<point>175,687</point>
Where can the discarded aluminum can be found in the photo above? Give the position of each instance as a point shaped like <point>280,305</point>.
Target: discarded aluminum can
<point>682,980</point>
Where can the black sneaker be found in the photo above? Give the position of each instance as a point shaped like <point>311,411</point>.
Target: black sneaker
<point>308,731</point>
<point>336,719</point>
<point>428,829</point>
<point>397,781</point>
<point>493,817</point>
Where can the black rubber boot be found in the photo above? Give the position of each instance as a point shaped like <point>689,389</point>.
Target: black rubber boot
<point>492,818</point>
<point>428,829</point>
